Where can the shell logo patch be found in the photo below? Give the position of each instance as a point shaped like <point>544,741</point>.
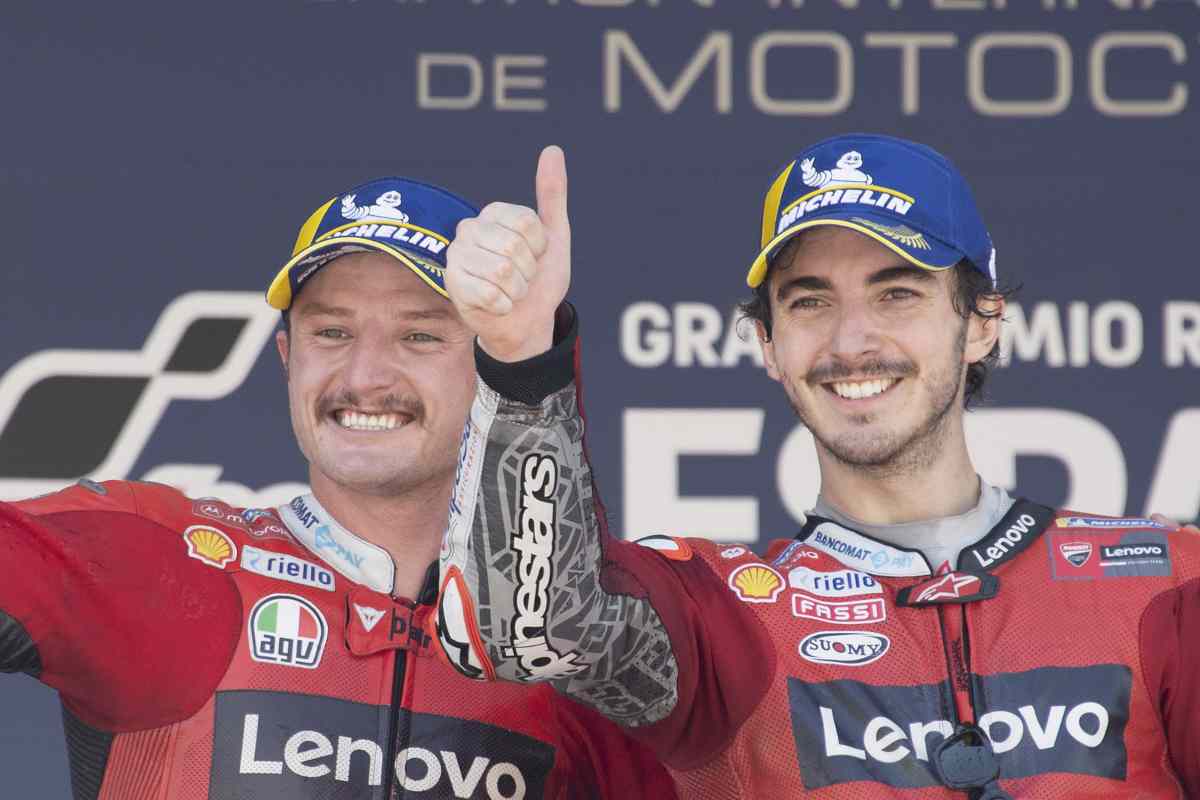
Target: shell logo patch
<point>756,583</point>
<point>210,546</point>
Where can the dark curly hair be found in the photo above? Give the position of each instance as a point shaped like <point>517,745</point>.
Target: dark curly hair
<point>972,288</point>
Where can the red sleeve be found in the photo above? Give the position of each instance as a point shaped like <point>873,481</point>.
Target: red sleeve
<point>1170,649</point>
<point>725,657</point>
<point>132,632</point>
<point>605,758</point>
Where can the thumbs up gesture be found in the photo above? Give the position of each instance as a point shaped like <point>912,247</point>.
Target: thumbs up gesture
<point>509,268</point>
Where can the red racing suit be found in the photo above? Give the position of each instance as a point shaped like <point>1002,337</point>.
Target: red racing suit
<point>203,651</point>
<point>1060,658</point>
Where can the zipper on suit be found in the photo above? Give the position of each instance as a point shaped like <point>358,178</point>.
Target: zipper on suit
<point>957,646</point>
<point>956,643</point>
<point>397,709</point>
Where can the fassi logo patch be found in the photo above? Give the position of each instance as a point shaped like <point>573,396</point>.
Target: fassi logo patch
<point>839,612</point>
<point>279,746</point>
<point>1052,719</point>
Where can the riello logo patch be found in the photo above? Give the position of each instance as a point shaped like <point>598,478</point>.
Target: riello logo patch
<point>287,630</point>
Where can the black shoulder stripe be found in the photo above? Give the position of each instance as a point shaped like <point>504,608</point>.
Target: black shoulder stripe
<point>18,653</point>
<point>87,749</point>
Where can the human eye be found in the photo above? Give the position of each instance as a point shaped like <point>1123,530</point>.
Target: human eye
<point>805,302</point>
<point>421,337</point>
<point>331,333</point>
<point>899,293</point>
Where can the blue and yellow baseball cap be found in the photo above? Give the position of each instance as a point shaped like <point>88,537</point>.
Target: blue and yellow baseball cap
<point>408,220</point>
<point>906,196</point>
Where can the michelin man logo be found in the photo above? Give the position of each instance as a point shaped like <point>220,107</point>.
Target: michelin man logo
<point>846,171</point>
<point>386,206</point>
<point>202,347</point>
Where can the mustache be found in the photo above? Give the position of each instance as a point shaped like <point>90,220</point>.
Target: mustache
<point>388,404</point>
<point>838,370</point>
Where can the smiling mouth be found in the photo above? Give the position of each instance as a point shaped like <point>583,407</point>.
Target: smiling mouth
<point>861,390</point>
<point>362,421</point>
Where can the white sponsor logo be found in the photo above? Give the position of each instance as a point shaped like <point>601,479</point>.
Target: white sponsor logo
<point>534,542</point>
<point>164,384</point>
<point>839,612</point>
<point>951,586</point>
<point>386,206</point>
<point>308,753</point>
<point>1012,537</point>
<point>368,616</point>
<point>1104,522</point>
<point>855,550</point>
<point>886,741</point>
<point>733,552</point>
<point>846,183</point>
<point>1135,550</point>
<point>846,171</point>
<point>846,648</point>
<point>839,583</point>
<point>286,568</point>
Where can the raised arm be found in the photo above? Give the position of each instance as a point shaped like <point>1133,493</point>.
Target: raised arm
<point>533,588</point>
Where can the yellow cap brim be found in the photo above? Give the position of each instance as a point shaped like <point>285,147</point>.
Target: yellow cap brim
<point>758,270</point>
<point>279,294</point>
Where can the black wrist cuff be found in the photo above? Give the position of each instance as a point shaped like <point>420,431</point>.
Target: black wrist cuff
<point>534,379</point>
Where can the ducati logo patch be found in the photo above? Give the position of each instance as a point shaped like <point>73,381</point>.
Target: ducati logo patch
<point>1076,553</point>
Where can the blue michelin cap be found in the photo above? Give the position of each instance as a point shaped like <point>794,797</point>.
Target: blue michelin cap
<point>906,196</point>
<point>411,221</point>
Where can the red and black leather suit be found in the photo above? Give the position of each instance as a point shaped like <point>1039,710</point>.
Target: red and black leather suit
<point>203,651</point>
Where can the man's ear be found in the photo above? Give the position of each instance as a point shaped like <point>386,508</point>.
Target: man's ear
<point>283,345</point>
<point>768,349</point>
<point>984,331</point>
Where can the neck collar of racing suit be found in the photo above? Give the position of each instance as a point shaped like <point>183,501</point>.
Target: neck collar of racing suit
<point>1015,531</point>
<point>355,558</point>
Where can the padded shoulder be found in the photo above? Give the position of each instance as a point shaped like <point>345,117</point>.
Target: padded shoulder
<point>170,508</point>
<point>84,495</point>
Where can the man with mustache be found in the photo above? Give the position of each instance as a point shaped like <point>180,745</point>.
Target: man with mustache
<point>204,651</point>
<point>925,635</point>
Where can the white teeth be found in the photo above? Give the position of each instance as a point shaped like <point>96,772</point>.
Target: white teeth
<point>367,422</point>
<point>862,389</point>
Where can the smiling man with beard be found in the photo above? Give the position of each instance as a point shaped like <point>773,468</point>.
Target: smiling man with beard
<point>924,635</point>
<point>203,651</point>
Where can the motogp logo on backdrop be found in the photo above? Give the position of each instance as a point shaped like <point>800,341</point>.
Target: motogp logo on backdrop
<point>202,347</point>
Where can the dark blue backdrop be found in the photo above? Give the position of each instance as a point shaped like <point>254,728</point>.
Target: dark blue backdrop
<point>155,150</point>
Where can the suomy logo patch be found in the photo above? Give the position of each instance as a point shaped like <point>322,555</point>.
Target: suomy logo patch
<point>848,648</point>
